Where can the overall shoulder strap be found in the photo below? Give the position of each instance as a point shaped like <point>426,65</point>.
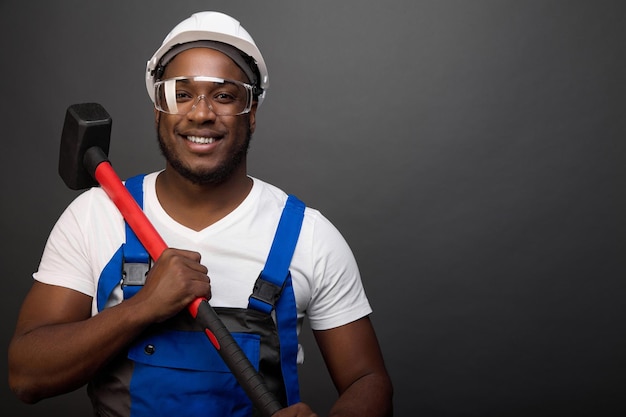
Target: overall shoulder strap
<point>136,258</point>
<point>273,290</point>
<point>269,284</point>
<point>132,251</point>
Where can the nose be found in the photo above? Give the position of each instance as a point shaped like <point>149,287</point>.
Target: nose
<point>201,111</point>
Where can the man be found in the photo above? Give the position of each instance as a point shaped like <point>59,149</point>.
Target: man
<point>84,322</point>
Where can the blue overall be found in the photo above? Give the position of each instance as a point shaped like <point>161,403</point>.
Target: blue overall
<point>172,369</point>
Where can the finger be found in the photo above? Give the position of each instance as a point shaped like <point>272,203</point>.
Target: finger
<point>190,259</point>
<point>189,254</point>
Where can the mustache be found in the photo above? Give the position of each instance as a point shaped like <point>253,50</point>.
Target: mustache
<point>218,175</point>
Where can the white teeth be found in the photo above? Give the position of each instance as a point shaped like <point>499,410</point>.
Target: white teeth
<point>198,139</point>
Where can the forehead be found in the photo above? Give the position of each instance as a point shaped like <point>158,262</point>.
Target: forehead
<point>203,61</point>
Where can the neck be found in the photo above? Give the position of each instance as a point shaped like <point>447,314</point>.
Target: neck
<point>198,206</point>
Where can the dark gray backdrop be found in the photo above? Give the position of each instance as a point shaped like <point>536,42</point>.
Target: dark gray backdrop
<point>470,151</point>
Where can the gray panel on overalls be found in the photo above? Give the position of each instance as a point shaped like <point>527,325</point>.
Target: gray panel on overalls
<point>173,369</point>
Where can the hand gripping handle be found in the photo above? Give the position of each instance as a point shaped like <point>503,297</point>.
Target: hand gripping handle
<point>238,363</point>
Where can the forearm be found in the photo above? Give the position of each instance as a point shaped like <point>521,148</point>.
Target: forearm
<point>369,396</point>
<point>58,358</point>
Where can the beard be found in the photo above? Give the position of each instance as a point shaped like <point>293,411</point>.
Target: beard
<point>213,176</point>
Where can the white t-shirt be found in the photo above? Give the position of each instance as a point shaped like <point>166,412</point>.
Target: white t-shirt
<point>326,279</point>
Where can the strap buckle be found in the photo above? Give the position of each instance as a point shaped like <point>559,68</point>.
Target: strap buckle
<point>134,273</point>
<point>265,291</point>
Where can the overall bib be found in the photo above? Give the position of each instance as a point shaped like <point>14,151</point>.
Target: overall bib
<point>172,369</point>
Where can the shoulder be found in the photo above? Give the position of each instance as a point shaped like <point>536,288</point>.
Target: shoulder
<point>274,198</point>
<point>90,204</point>
<point>315,224</point>
<point>88,221</point>
<point>267,194</point>
<point>320,241</point>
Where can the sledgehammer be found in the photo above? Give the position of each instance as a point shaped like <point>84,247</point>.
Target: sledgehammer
<point>83,163</point>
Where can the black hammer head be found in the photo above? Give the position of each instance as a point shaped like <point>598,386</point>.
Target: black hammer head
<point>87,125</point>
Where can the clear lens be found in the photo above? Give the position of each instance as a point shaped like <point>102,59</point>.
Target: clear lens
<point>182,95</point>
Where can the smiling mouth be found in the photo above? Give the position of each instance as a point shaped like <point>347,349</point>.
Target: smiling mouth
<point>200,140</point>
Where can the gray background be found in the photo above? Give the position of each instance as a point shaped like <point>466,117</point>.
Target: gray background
<point>471,152</point>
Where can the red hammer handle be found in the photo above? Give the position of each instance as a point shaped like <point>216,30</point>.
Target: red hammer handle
<point>130,210</point>
<point>238,363</point>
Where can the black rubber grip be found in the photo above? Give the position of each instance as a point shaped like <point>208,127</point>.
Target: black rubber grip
<point>238,363</point>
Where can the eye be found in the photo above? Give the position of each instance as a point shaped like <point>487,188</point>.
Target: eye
<point>182,96</point>
<point>224,97</point>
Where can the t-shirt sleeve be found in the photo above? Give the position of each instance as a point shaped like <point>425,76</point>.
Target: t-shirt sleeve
<point>78,244</point>
<point>338,296</point>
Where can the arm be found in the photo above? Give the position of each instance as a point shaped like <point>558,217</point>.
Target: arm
<point>58,347</point>
<point>355,363</point>
<point>356,366</point>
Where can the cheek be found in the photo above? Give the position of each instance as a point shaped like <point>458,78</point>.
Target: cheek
<point>245,130</point>
<point>164,123</point>
<point>159,126</point>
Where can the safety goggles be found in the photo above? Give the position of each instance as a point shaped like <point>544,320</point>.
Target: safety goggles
<point>181,95</point>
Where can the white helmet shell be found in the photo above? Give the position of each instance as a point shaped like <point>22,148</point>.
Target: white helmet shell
<point>213,26</point>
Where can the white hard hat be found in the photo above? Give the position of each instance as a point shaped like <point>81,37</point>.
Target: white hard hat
<point>216,27</point>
